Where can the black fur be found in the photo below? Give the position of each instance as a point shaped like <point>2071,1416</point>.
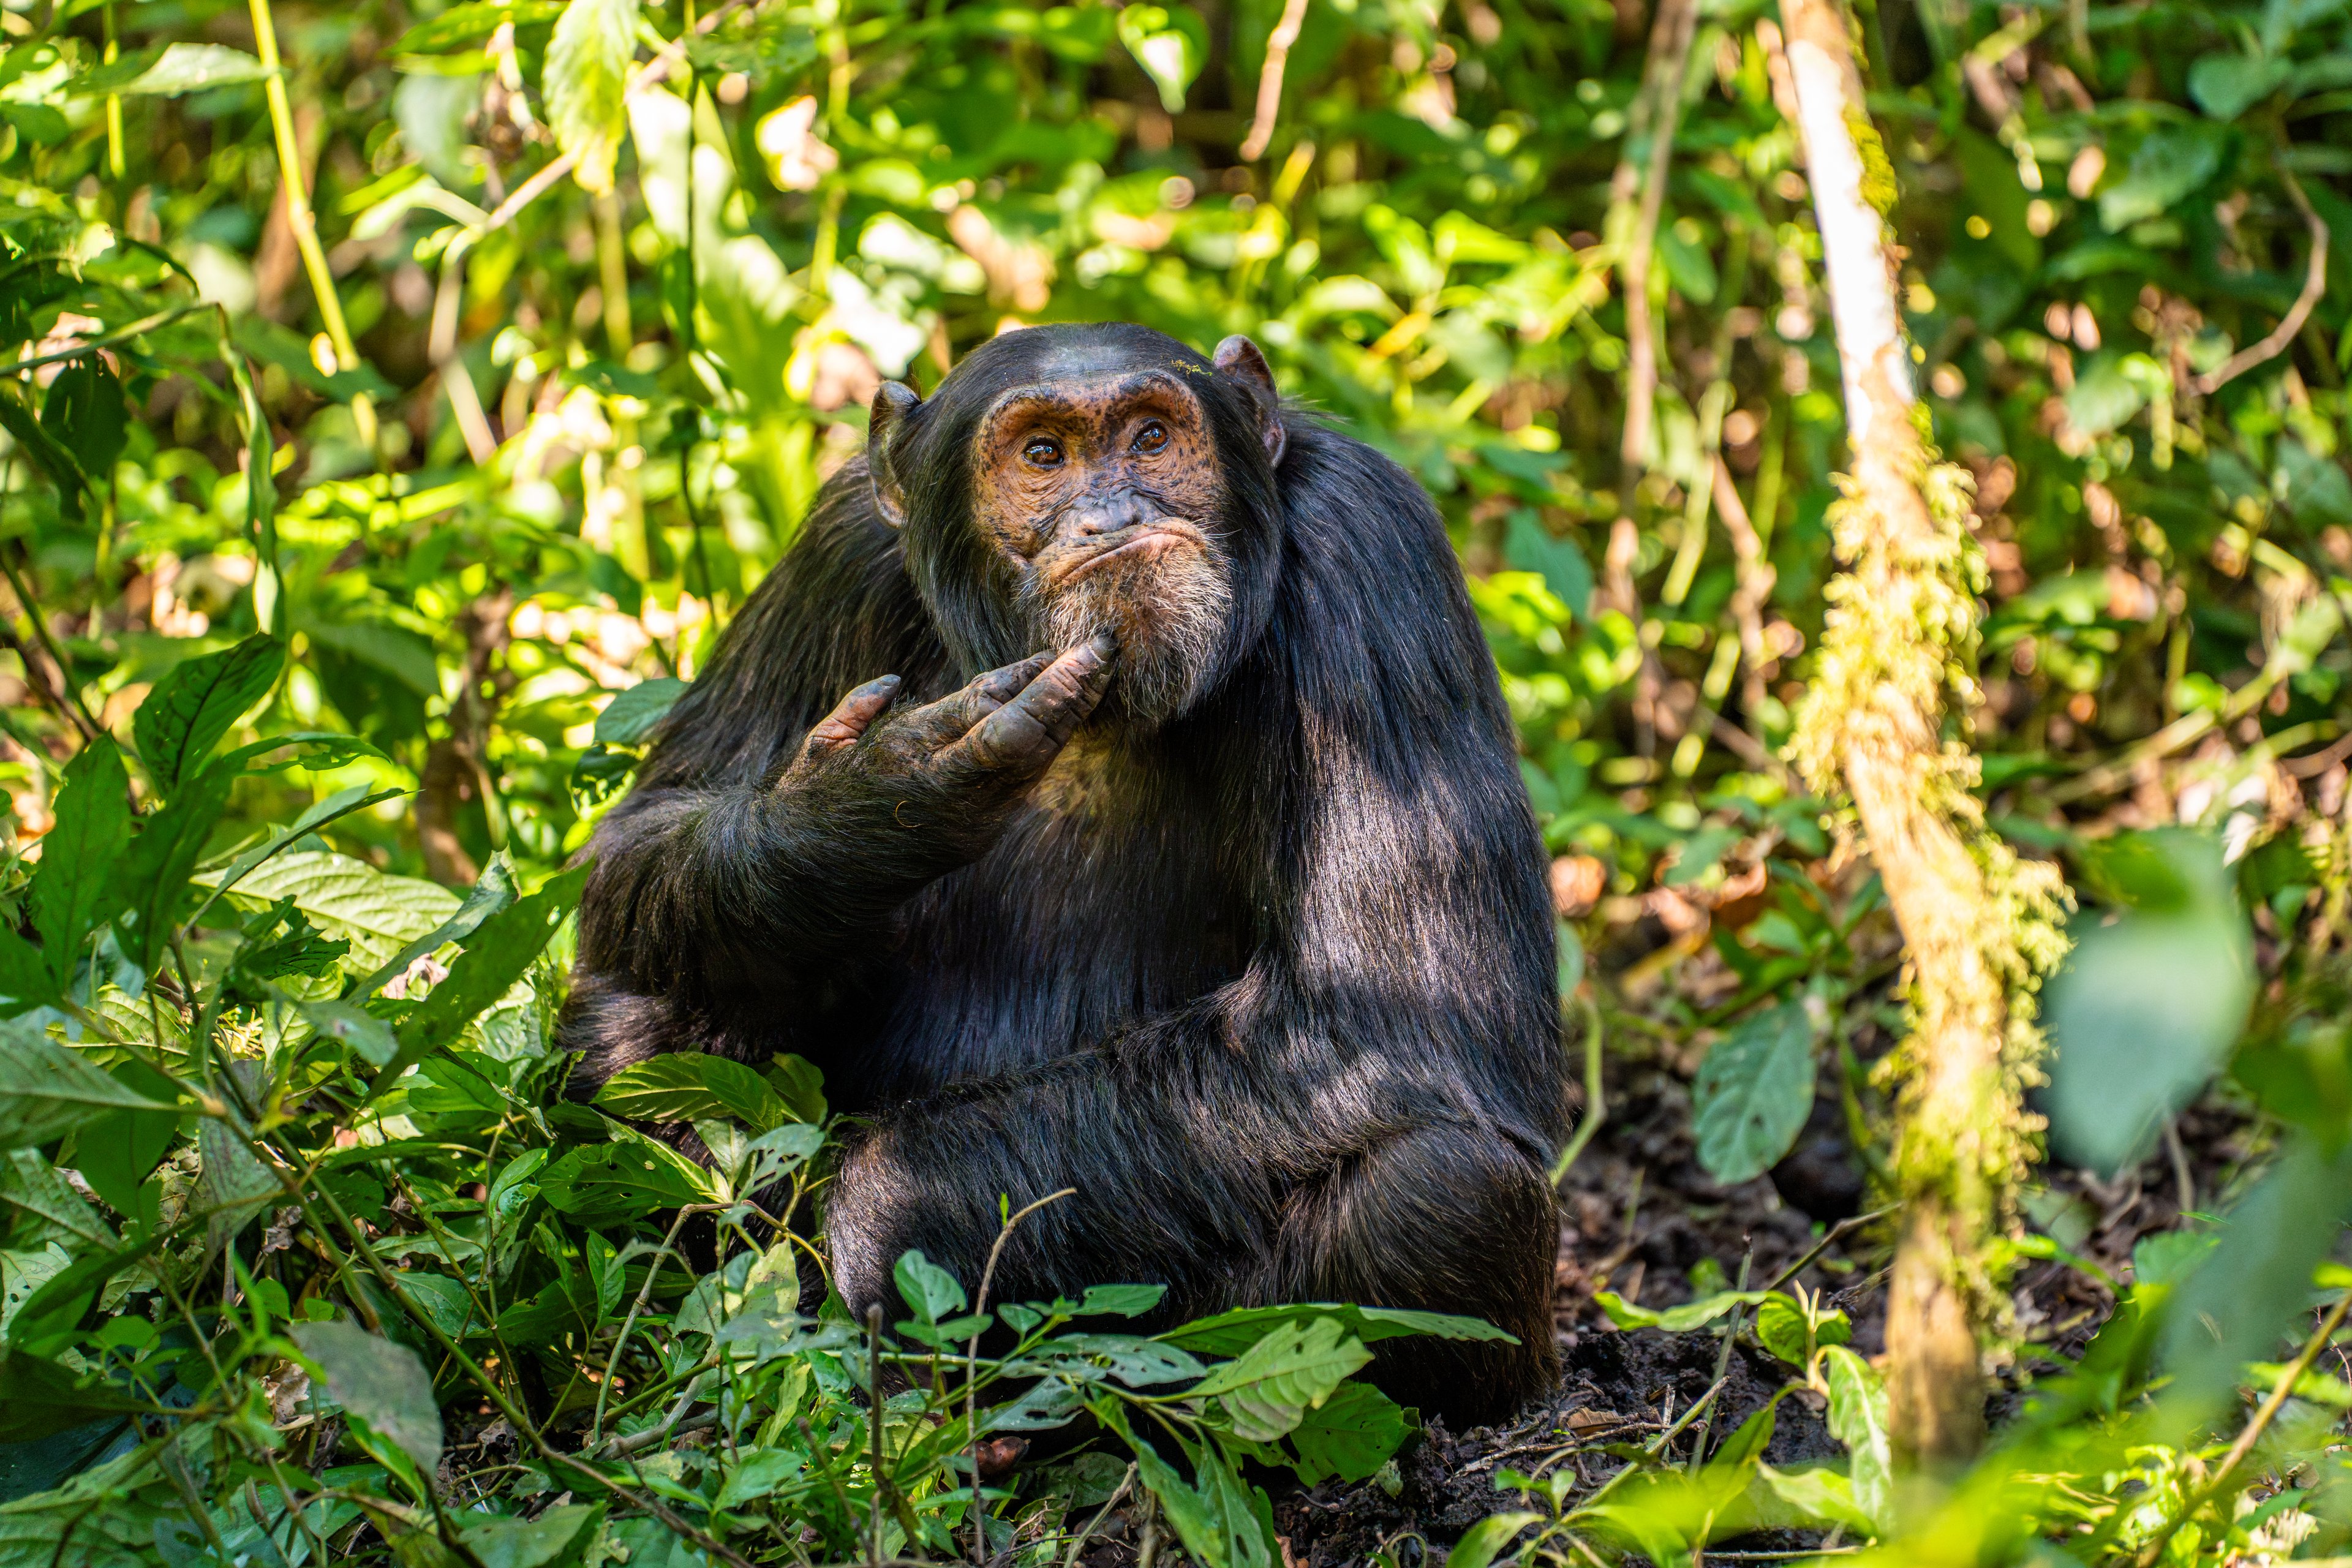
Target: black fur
<point>1272,986</point>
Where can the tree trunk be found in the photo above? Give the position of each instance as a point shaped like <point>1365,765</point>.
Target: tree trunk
<point>1896,661</point>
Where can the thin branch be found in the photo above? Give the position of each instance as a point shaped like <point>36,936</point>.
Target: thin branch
<point>58,689</point>
<point>1269,79</point>
<point>1595,1108</point>
<point>2280,1391</point>
<point>2315,284</point>
<point>1670,47</point>
<point>971,1364</point>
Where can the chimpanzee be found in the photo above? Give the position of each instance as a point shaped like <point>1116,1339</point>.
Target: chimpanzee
<point>1168,845</point>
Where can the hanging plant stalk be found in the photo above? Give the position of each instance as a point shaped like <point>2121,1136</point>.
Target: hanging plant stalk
<point>1886,717</point>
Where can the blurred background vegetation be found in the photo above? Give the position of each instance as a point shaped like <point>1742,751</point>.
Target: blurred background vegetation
<point>487,356</point>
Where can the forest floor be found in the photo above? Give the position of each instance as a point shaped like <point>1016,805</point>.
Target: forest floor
<point>1639,1217</point>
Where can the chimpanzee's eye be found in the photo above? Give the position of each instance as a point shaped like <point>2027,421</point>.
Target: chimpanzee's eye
<point>1043,451</point>
<point>1151,437</point>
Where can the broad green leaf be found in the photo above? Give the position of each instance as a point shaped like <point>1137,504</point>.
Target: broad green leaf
<point>1821,1494</point>
<point>46,1091</point>
<point>2226,85</point>
<point>32,1184</point>
<point>586,82</point>
<point>758,1472</point>
<point>689,1086</point>
<point>341,804</point>
<point>117,1151</point>
<point>84,413</point>
<point>233,1184</point>
<point>1754,1091</point>
<point>155,873</point>
<point>24,979</point>
<point>1484,1541</point>
<point>1230,1333</point>
<point>38,1399</point>
<point>927,1288</point>
<point>1196,1523</point>
<point>1679,1320</point>
<point>2170,164</point>
<point>2146,1007</point>
<point>44,449</point>
<point>382,1383</point>
<point>1857,1418</point>
<point>1562,563</point>
<point>1350,1435</point>
<point>1120,1300</point>
<point>168,73</point>
<point>79,855</point>
<point>630,717</point>
<point>799,1084</point>
<point>555,1538</point>
<point>183,717</point>
<point>1278,1380</point>
<point>606,1182</point>
<point>376,914</point>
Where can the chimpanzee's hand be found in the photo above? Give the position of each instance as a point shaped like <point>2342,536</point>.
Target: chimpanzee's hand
<point>930,787</point>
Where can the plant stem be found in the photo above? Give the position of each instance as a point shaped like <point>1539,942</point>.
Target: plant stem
<point>1595,1109</point>
<point>299,218</point>
<point>2280,1391</point>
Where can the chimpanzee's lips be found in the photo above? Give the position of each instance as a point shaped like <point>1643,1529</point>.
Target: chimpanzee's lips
<point>1145,543</point>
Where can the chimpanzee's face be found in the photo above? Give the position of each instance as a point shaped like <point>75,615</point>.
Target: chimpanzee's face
<point>1104,497</point>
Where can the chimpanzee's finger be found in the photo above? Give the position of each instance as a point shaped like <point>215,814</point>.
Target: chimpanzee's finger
<point>1028,731</point>
<point>952,716</point>
<point>850,717</point>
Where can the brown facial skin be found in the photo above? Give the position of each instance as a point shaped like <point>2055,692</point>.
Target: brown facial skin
<point>1103,498</point>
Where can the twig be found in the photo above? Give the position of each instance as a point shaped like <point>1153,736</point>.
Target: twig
<point>1595,1108</point>
<point>1095,1524</point>
<point>1670,47</point>
<point>874,1412</point>
<point>1269,79</point>
<point>60,692</point>
<point>971,1365</point>
<point>2315,284</point>
<point>644,1294</point>
<point>2287,1378</point>
<point>1723,1359</point>
<point>1844,1227</point>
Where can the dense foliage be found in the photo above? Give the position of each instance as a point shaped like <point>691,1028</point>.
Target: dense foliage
<point>393,428</point>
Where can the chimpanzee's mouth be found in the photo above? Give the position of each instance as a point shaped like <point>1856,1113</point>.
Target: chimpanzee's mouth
<point>1146,543</point>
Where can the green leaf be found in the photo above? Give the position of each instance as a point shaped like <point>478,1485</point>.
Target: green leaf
<point>43,448</point>
<point>354,1026</point>
<point>586,82</point>
<point>1120,1300</point>
<point>500,954</point>
<point>347,899</point>
<point>1754,1091</point>
<point>84,413</point>
<point>46,1091</point>
<point>36,122</point>
<point>632,714</point>
<point>799,1084</point>
<point>154,875</point>
<point>1278,1380</point>
<point>1171,43</point>
<point>1350,1435</point>
<point>606,1182</point>
<point>467,26</point>
<point>70,891</point>
<point>556,1539</point>
<point>1230,1333</point>
<point>689,1086</point>
<point>2226,85</point>
<point>2148,1005</point>
<point>178,68</point>
<point>1565,571</point>
<point>341,804</point>
<point>1679,1320</point>
<point>2170,164</point>
<point>38,1399</point>
<point>1857,1418</point>
<point>183,717</point>
<point>931,1290</point>
<point>382,1383</point>
<point>1484,1541</point>
<point>1821,1494</point>
<point>120,1149</point>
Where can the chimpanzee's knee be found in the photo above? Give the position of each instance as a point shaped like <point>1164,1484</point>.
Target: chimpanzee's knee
<point>1442,1219</point>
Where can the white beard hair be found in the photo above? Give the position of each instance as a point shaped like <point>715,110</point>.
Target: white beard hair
<point>1168,641</point>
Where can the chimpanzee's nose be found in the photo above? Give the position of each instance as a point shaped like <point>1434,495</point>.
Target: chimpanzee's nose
<point>1109,514</point>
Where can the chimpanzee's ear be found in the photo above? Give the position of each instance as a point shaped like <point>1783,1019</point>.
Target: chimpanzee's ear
<point>1239,358</point>
<point>884,434</point>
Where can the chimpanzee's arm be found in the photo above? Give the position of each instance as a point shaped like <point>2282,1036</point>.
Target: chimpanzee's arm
<point>698,898</point>
<point>1399,1014</point>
